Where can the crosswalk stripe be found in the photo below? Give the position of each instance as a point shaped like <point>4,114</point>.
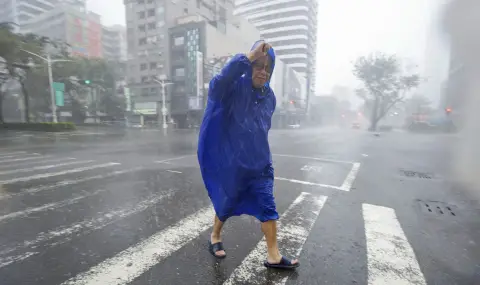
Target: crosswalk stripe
<point>24,158</point>
<point>136,260</point>
<point>43,167</point>
<point>11,153</point>
<point>391,259</point>
<point>294,228</point>
<point>69,182</point>
<point>47,207</point>
<point>46,175</point>
<point>26,163</point>
<point>79,229</point>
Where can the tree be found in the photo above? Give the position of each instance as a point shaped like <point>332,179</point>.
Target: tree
<point>16,60</point>
<point>385,83</point>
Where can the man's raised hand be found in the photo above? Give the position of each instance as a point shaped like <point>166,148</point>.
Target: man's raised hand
<point>259,51</point>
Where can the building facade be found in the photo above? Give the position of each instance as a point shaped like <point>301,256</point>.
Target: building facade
<point>21,11</point>
<point>291,27</point>
<point>194,43</point>
<point>114,43</point>
<point>148,41</point>
<point>82,31</point>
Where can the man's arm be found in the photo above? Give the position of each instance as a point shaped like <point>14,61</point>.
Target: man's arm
<point>222,83</point>
<point>232,71</point>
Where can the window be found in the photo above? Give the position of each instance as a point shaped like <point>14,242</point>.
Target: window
<point>160,24</point>
<point>141,28</point>
<point>153,65</point>
<point>151,12</point>
<point>151,26</point>
<point>150,1</point>
<point>142,41</point>
<point>152,39</point>
<point>160,10</point>
<point>141,1</point>
<point>178,41</point>
<point>180,71</point>
<point>141,15</point>
<point>143,66</point>
<point>144,79</point>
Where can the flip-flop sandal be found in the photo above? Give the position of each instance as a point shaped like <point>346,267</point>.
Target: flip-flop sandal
<point>213,248</point>
<point>284,264</point>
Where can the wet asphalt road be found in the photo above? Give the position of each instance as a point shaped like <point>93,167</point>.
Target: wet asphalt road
<point>129,207</point>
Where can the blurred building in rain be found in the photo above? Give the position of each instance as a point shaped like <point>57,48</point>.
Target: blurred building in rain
<point>148,24</point>
<point>114,43</point>
<point>437,56</point>
<point>81,30</point>
<point>462,100</point>
<point>291,27</point>
<point>193,43</point>
<point>22,11</point>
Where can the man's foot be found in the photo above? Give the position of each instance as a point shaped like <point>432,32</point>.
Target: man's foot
<point>216,247</point>
<point>281,263</point>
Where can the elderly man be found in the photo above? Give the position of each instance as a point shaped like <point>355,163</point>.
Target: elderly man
<point>233,149</point>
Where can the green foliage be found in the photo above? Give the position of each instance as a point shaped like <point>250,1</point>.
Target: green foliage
<point>43,127</point>
<point>34,79</point>
<point>385,83</point>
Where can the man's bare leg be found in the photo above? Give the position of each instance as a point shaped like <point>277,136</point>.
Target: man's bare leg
<point>216,235</point>
<point>269,229</point>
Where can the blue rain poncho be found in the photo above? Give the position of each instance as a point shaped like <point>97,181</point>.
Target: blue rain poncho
<point>233,150</point>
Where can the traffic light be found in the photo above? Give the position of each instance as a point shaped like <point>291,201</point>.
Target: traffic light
<point>448,111</point>
<point>87,82</point>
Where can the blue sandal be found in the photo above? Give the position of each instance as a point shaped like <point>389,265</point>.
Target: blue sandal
<point>213,248</point>
<point>284,264</point>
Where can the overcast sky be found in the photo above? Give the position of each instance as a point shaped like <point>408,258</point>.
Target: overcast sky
<point>346,29</point>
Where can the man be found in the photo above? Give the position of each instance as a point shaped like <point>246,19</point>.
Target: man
<point>233,150</point>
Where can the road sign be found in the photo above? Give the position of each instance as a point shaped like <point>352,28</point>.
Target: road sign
<point>59,97</point>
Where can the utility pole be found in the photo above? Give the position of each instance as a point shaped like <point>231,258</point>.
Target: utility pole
<point>49,62</point>
<point>163,83</point>
<point>52,92</point>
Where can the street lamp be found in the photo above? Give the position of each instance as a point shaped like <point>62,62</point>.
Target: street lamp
<point>162,80</point>
<point>50,80</point>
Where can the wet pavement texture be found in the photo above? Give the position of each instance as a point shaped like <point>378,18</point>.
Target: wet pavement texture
<point>129,207</point>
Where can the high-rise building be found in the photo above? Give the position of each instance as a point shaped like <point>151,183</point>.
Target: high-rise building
<point>81,30</point>
<point>114,41</point>
<point>291,27</point>
<point>21,11</point>
<point>148,42</point>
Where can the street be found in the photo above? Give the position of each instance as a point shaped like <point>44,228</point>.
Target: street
<point>130,207</point>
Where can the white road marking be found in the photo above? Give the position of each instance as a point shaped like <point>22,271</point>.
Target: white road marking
<point>294,228</point>
<point>174,158</point>
<point>312,168</point>
<point>391,259</point>
<point>313,158</point>
<point>173,171</point>
<point>23,159</point>
<point>11,153</point>
<point>9,260</point>
<point>43,167</point>
<point>46,175</point>
<point>66,233</point>
<point>47,207</point>
<point>310,183</point>
<point>68,182</point>
<point>136,260</point>
<point>23,164</point>
<point>347,184</point>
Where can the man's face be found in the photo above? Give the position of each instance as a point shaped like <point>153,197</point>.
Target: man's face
<point>261,71</point>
